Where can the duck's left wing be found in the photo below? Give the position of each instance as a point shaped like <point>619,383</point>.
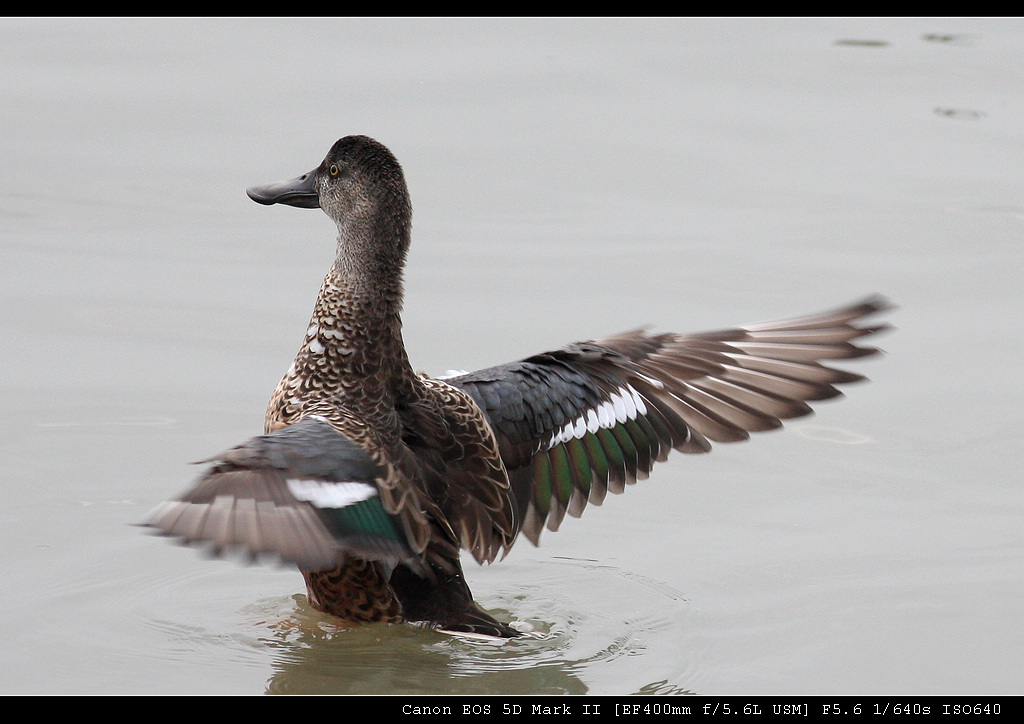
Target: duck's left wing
<point>595,416</point>
<point>305,493</point>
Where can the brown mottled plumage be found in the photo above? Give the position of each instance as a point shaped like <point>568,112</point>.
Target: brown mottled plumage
<point>371,478</point>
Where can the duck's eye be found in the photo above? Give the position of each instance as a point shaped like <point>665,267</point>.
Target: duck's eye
<point>334,170</point>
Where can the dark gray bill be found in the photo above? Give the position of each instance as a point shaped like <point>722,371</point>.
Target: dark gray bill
<point>299,192</point>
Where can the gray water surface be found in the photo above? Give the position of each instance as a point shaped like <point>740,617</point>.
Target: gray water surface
<point>571,179</point>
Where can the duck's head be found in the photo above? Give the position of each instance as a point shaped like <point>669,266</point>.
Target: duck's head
<point>359,181</point>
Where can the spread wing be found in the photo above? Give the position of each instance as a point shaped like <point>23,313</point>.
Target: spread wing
<point>306,493</point>
<point>595,416</point>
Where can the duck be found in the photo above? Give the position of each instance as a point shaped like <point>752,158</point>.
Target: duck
<point>372,478</point>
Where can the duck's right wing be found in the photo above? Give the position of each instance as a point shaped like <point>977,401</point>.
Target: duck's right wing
<point>305,493</point>
<point>589,418</point>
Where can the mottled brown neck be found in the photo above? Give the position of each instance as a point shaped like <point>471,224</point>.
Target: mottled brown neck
<point>353,353</point>
<point>355,338</point>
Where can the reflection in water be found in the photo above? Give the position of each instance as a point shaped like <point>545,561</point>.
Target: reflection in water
<point>401,659</point>
<point>314,655</point>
